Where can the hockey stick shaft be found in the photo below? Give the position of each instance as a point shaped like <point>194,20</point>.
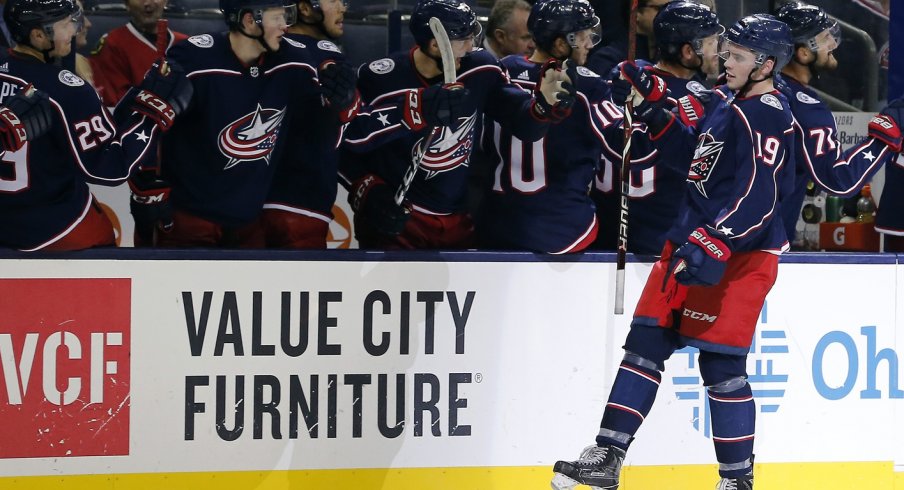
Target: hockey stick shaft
<point>162,38</point>
<point>625,175</point>
<point>449,76</point>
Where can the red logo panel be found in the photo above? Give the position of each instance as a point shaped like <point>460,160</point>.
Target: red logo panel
<point>64,358</point>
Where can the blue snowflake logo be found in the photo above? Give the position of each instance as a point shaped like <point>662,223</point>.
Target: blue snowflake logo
<point>767,374</point>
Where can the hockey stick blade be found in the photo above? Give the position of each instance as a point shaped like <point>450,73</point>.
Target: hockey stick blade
<point>449,76</point>
<point>445,49</point>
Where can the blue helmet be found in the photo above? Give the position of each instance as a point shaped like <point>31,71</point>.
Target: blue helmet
<point>807,22</point>
<point>455,15</point>
<point>233,10</point>
<point>552,19</point>
<point>766,36</point>
<point>21,16</point>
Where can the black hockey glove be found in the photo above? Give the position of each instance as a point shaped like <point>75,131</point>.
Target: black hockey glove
<point>338,85</point>
<point>25,116</point>
<point>164,93</point>
<point>150,204</point>
<point>434,106</point>
<point>886,126</point>
<point>554,93</point>
<point>702,260</point>
<point>374,202</point>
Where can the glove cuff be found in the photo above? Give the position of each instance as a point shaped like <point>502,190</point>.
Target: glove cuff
<point>715,244</point>
<point>886,130</point>
<point>14,133</point>
<point>413,110</point>
<point>690,110</point>
<point>360,189</point>
<point>349,112</point>
<point>152,106</point>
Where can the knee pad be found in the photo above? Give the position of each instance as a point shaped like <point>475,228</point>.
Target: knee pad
<point>720,371</point>
<point>653,344</point>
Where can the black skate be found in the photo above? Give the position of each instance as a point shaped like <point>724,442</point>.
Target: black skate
<point>742,483</point>
<point>598,468</point>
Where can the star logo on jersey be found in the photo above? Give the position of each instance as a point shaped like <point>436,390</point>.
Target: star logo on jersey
<point>706,155</point>
<point>869,156</point>
<point>449,149</point>
<point>142,137</point>
<point>251,137</point>
<point>384,119</point>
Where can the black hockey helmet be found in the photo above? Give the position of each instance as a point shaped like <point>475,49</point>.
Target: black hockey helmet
<point>552,19</point>
<point>683,22</point>
<point>233,10</point>
<point>456,17</point>
<point>21,16</point>
<point>766,36</point>
<point>807,22</point>
<point>315,4</point>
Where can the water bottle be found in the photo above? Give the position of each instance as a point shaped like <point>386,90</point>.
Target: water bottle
<point>866,207</point>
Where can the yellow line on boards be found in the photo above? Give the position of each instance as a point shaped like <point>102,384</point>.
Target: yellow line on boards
<point>772,476</point>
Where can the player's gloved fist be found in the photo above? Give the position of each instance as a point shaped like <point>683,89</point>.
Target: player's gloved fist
<point>338,83</point>
<point>554,93</point>
<point>620,88</point>
<point>374,202</point>
<point>164,93</point>
<point>150,204</point>
<point>649,86</point>
<point>435,106</point>
<point>701,261</point>
<point>25,116</point>
<point>886,126</point>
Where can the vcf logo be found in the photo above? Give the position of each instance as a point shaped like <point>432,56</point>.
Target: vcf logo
<point>766,368</point>
<point>64,354</point>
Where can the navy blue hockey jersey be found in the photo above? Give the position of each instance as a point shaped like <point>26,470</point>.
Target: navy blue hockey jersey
<point>819,156</point>
<point>221,153</point>
<point>306,175</point>
<point>539,198</point>
<point>657,182</point>
<point>43,186</point>
<point>378,143</point>
<point>742,163</point>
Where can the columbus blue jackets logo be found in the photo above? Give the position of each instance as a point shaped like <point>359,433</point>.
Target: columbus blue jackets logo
<point>449,149</point>
<point>251,137</point>
<point>706,155</point>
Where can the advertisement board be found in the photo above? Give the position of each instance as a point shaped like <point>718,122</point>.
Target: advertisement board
<point>398,374</point>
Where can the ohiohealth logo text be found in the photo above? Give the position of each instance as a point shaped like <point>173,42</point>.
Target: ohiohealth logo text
<point>768,374</point>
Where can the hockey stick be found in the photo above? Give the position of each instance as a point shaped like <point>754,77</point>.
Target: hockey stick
<point>445,51</point>
<point>625,175</point>
<point>162,38</point>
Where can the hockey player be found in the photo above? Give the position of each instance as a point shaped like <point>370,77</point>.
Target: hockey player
<point>434,214</point>
<point>687,39</point>
<point>819,155</point>
<point>299,207</point>
<point>539,199</point>
<point>220,156</point>
<point>708,292</point>
<point>45,203</point>
<point>123,55</point>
